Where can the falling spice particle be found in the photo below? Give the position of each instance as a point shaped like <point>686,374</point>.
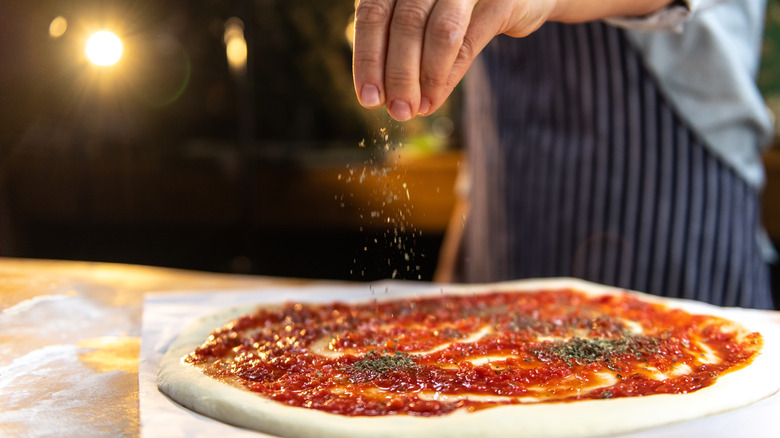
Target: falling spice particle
<point>389,206</point>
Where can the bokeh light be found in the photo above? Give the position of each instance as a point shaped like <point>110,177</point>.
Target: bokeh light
<point>58,27</point>
<point>235,44</point>
<point>104,48</point>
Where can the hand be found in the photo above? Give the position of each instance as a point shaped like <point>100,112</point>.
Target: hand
<point>410,54</point>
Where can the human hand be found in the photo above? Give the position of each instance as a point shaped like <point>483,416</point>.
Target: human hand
<point>410,54</point>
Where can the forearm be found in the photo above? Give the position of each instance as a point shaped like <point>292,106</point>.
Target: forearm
<point>575,11</point>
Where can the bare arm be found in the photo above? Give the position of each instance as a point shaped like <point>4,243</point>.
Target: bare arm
<point>574,11</point>
<point>410,54</point>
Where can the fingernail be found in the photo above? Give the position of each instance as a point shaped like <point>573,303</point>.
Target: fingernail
<point>369,95</point>
<point>400,110</point>
<point>425,105</point>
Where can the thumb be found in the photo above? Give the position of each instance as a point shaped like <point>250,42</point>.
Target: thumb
<point>487,21</point>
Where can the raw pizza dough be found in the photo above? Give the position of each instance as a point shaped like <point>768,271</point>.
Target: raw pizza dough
<point>189,387</point>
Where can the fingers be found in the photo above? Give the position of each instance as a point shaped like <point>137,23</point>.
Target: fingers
<point>484,19</point>
<point>410,54</point>
<point>372,25</point>
<point>485,24</point>
<point>404,54</point>
<point>444,39</point>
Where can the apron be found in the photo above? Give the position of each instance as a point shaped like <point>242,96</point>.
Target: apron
<point>579,167</point>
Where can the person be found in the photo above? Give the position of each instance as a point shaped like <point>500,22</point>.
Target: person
<point>616,141</point>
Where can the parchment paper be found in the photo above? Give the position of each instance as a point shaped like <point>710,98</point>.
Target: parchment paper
<point>165,315</point>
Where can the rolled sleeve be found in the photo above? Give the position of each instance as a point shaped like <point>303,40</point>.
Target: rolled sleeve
<point>669,19</point>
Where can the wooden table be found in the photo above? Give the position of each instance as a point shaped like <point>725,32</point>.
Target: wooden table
<point>70,334</point>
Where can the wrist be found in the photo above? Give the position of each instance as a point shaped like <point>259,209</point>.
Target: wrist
<point>557,11</point>
<point>577,11</point>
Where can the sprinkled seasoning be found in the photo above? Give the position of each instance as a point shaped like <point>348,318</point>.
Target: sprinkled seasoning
<point>589,350</point>
<point>374,364</point>
<point>387,211</point>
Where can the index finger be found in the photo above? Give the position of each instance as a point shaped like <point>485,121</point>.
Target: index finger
<point>372,23</point>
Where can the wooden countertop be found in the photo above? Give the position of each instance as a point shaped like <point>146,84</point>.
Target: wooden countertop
<point>71,335</point>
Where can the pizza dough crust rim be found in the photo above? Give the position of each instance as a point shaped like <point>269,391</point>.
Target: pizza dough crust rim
<point>186,385</point>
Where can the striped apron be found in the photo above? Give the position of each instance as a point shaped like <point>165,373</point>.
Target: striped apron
<point>579,167</point>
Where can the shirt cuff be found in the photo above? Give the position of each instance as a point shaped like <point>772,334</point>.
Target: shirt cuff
<point>669,19</point>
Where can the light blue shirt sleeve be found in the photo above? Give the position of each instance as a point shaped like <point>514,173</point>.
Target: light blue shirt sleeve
<point>671,18</point>
<point>707,70</point>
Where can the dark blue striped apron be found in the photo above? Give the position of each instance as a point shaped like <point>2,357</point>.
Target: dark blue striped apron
<point>579,167</point>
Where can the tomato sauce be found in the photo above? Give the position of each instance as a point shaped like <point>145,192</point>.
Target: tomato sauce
<point>433,355</point>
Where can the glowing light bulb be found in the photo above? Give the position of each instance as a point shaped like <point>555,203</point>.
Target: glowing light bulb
<point>104,48</point>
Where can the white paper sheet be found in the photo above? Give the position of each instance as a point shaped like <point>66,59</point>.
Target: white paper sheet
<point>166,314</point>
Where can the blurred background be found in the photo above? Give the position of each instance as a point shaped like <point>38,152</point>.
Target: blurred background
<point>224,135</point>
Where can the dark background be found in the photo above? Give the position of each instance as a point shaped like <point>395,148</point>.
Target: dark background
<point>170,158</point>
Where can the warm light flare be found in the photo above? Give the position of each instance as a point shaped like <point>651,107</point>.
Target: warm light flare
<point>235,44</point>
<point>104,48</point>
<point>236,53</point>
<point>58,27</point>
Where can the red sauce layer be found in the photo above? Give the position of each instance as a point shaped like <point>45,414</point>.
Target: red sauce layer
<point>433,355</point>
